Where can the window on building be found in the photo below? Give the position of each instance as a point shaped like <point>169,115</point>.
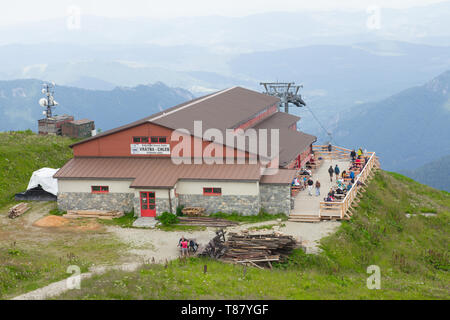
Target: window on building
<point>100,189</point>
<point>158,139</point>
<point>212,191</point>
<point>140,139</point>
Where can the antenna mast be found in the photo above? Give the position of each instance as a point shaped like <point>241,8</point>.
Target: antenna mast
<point>286,91</point>
<point>48,89</point>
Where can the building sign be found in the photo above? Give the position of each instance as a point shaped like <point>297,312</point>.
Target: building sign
<point>150,148</point>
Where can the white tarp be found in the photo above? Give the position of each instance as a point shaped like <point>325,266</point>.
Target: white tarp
<point>44,177</point>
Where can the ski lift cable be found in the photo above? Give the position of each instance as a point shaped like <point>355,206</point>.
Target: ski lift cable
<point>321,125</point>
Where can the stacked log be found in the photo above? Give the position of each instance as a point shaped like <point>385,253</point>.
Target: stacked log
<point>258,250</point>
<point>193,211</point>
<point>18,210</point>
<point>100,214</point>
<point>206,222</point>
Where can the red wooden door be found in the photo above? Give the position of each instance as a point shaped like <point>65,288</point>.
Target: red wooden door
<point>148,206</point>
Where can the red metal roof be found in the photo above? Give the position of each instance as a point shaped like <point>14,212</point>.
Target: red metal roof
<point>151,172</point>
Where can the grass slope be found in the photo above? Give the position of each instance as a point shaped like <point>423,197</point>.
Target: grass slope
<point>412,254</point>
<point>23,152</point>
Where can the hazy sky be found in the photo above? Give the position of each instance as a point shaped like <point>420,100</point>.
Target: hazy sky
<point>20,11</point>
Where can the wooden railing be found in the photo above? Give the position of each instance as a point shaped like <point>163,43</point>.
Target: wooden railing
<point>336,153</point>
<point>340,208</point>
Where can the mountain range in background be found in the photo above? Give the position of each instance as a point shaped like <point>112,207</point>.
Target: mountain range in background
<point>436,173</point>
<point>407,130</point>
<point>335,78</point>
<point>19,108</point>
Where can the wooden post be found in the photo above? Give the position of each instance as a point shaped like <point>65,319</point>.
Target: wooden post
<point>205,268</point>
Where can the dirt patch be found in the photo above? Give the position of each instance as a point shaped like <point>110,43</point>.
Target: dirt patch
<point>51,221</point>
<point>61,222</point>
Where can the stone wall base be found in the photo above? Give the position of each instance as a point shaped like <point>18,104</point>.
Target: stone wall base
<point>275,198</point>
<point>95,201</point>
<point>245,205</point>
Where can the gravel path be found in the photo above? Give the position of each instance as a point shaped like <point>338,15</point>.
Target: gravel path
<point>56,288</point>
<point>160,245</point>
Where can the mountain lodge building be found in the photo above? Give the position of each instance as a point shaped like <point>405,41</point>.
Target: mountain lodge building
<point>132,167</point>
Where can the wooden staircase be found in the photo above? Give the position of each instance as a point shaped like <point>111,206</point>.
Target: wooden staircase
<point>304,218</point>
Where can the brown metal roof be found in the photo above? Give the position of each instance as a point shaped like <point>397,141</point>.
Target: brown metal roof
<point>292,142</point>
<point>283,176</point>
<point>133,124</point>
<point>151,172</point>
<point>221,110</point>
<point>277,120</point>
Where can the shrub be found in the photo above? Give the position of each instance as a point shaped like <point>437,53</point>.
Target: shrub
<point>179,210</point>
<point>167,218</point>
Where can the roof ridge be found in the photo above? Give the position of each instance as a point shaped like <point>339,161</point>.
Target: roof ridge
<point>191,104</point>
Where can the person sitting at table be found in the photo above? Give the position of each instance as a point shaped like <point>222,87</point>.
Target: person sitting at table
<point>304,171</point>
<point>331,193</point>
<point>352,175</point>
<point>295,182</point>
<point>344,174</point>
<point>349,186</point>
<point>358,161</point>
<point>305,180</point>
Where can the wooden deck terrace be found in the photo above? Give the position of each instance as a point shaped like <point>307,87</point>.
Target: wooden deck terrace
<point>336,210</point>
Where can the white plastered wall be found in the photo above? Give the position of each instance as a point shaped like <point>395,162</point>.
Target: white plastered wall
<point>228,187</point>
<point>159,193</point>
<point>115,186</point>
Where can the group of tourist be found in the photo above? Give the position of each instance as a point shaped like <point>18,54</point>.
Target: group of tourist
<point>344,180</point>
<point>359,159</point>
<point>186,246</point>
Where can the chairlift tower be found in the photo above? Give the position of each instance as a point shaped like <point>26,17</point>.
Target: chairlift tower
<point>286,91</point>
<point>48,102</point>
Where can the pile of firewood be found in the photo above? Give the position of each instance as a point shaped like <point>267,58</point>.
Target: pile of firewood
<point>258,250</point>
<point>206,222</point>
<point>100,214</point>
<point>193,211</point>
<point>18,210</point>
